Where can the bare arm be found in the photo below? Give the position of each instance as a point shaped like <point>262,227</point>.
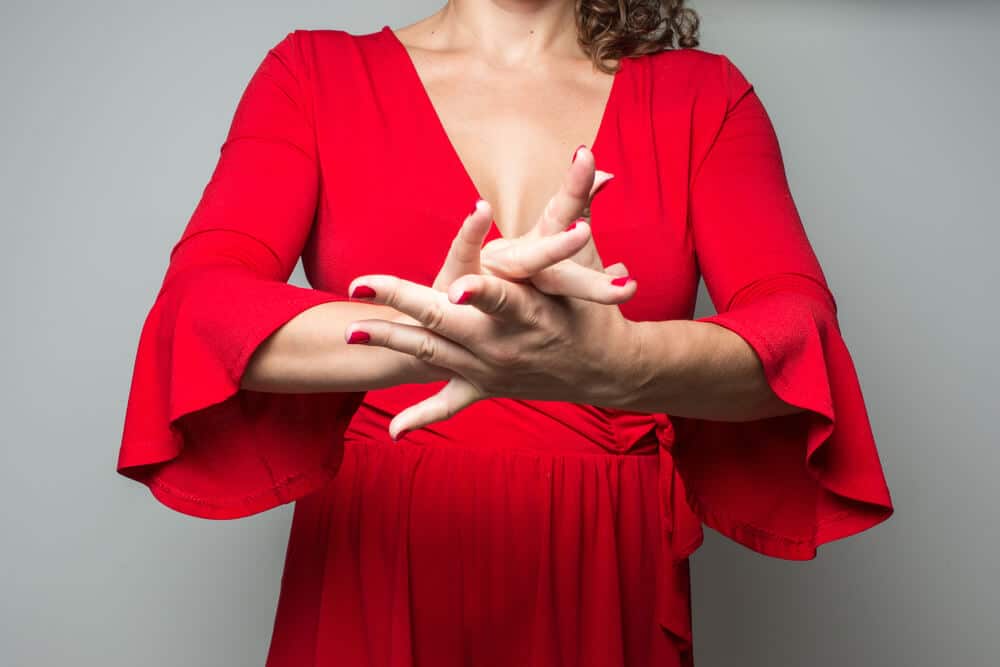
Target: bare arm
<point>308,354</point>
<point>699,370</point>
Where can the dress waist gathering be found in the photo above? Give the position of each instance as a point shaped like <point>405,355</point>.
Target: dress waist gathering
<point>509,426</point>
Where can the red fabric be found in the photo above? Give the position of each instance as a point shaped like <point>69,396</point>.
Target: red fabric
<point>517,532</point>
<point>780,486</point>
<point>203,445</point>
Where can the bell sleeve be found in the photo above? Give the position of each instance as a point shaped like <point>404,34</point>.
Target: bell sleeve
<point>781,486</point>
<point>203,445</point>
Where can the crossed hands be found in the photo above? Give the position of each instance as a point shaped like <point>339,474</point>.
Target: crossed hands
<point>535,317</point>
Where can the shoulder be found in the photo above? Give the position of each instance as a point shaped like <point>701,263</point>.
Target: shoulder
<point>695,74</point>
<point>320,40</point>
<point>324,51</point>
<point>327,56</point>
<point>688,94</point>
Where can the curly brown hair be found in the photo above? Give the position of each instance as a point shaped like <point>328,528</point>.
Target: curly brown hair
<point>613,29</point>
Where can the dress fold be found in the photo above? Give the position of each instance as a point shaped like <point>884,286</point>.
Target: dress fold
<point>464,554</point>
<point>202,444</point>
<point>784,486</point>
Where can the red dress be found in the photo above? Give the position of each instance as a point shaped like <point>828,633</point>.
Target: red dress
<point>518,532</point>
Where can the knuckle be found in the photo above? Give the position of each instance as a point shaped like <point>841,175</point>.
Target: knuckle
<point>501,301</point>
<point>391,292</point>
<point>533,314</point>
<point>504,357</point>
<point>426,349</point>
<point>432,315</point>
<point>459,249</point>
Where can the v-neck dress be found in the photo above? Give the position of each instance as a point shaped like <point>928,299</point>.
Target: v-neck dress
<point>517,532</point>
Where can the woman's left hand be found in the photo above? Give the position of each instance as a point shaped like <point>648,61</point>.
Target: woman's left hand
<point>503,339</point>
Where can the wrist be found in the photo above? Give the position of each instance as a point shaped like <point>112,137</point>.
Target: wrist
<point>658,353</point>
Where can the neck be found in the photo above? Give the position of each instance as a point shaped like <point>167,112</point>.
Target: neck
<point>508,32</point>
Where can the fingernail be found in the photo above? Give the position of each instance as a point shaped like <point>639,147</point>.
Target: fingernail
<point>363,292</point>
<point>399,436</point>
<point>463,297</point>
<point>573,224</point>
<point>599,188</point>
<point>621,280</point>
<point>475,207</point>
<point>575,152</point>
<point>359,337</point>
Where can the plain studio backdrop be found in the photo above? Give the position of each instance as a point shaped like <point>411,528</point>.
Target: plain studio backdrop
<point>113,114</point>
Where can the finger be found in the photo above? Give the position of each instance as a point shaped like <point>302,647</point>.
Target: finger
<point>428,306</point>
<point>616,269</point>
<point>524,257</point>
<point>573,195</point>
<point>415,341</point>
<point>601,178</point>
<point>575,280</point>
<point>589,256</point>
<point>498,297</point>
<point>497,259</point>
<point>567,278</point>
<point>496,244</point>
<point>454,397</point>
<point>463,254</point>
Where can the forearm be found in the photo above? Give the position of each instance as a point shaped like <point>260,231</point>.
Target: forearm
<point>309,354</point>
<point>699,370</point>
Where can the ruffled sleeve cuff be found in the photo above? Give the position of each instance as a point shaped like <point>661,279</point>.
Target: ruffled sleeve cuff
<point>785,485</point>
<point>202,444</point>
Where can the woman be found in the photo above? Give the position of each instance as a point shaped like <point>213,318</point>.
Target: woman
<point>502,452</point>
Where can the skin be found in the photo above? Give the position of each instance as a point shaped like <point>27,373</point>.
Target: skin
<point>541,318</point>
<point>308,354</point>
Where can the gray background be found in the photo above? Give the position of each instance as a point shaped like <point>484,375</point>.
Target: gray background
<point>113,113</point>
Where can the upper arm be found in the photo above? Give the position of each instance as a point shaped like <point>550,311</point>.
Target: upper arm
<point>265,185</point>
<point>744,221</point>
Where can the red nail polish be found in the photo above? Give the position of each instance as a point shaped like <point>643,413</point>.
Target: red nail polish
<point>621,280</point>
<point>573,224</point>
<point>463,297</point>
<point>359,337</point>
<point>362,292</point>
<point>575,152</point>
<point>399,436</point>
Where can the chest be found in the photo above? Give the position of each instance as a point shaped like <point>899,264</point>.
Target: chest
<point>513,131</point>
<point>402,160</point>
